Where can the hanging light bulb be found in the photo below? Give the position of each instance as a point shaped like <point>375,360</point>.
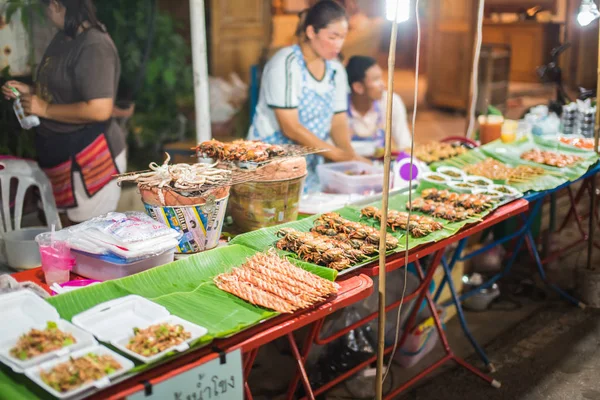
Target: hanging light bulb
<point>588,12</point>
<point>403,10</point>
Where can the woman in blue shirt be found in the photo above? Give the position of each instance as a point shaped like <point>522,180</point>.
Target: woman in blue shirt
<point>304,91</point>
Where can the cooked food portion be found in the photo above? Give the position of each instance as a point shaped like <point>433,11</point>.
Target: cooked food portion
<point>479,182</point>
<point>419,226</point>
<point>322,249</point>
<point>550,158</point>
<point>356,173</point>
<point>503,189</point>
<point>451,174</point>
<point>495,170</point>
<point>434,177</point>
<point>239,150</point>
<point>157,338</point>
<point>475,202</point>
<point>270,281</point>
<point>352,232</point>
<point>76,372</point>
<point>441,210</point>
<point>37,342</point>
<point>582,143</point>
<point>186,177</point>
<point>436,151</point>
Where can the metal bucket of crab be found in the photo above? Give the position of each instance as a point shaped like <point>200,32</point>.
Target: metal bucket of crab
<point>191,199</point>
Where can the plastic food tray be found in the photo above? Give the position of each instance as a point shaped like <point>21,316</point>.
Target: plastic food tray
<point>334,178</point>
<point>22,311</point>
<point>34,373</point>
<point>105,268</point>
<point>113,322</point>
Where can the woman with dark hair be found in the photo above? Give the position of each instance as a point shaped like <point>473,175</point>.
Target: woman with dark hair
<point>304,90</point>
<point>79,145</point>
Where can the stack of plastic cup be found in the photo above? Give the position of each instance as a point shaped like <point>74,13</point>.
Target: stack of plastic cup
<point>56,258</point>
<point>569,119</point>
<point>586,121</point>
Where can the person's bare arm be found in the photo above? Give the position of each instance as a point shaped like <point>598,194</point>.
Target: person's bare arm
<point>96,110</point>
<point>294,130</point>
<point>340,134</point>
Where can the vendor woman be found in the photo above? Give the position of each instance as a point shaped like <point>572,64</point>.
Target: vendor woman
<point>304,91</point>
<point>79,145</point>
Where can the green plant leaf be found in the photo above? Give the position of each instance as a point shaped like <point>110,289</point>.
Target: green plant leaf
<point>11,10</point>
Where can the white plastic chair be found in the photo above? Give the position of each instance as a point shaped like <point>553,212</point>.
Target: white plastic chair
<point>27,174</point>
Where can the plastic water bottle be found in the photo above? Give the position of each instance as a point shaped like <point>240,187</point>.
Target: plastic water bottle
<point>26,122</point>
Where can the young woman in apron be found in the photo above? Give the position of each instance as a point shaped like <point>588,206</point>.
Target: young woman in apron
<point>79,145</point>
<point>303,96</point>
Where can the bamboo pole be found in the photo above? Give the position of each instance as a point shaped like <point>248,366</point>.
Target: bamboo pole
<point>592,221</point>
<point>384,208</point>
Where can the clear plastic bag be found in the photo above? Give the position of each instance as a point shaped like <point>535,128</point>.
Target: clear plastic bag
<point>129,235</point>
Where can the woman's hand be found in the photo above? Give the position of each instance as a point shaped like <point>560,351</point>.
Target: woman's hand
<point>362,159</point>
<point>33,105</point>
<point>20,86</point>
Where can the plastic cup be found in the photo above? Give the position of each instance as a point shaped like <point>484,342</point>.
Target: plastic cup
<point>490,128</point>
<point>56,258</point>
<point>509,131</point>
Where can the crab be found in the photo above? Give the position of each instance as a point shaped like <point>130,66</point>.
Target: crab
<point>339,264</point>
<point>369,211</point>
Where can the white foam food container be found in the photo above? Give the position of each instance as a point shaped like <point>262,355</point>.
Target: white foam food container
<point>452,173</point>
<point>113,322</point>
<point>34,373</point>
<point>22,311</point>
<point>431,177</point>
<point>474,179</point>
<point>513,191</point>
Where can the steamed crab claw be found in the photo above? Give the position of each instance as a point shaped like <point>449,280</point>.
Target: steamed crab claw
<point>285,231</point>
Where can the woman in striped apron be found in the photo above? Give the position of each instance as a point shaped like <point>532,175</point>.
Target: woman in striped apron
<point>304,91</point>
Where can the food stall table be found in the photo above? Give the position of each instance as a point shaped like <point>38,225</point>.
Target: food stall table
<point>522,235</point>
<point>398,261</point>
<point>352,289</point>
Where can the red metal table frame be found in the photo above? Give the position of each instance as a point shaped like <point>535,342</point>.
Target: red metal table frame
<point>586,186</point>
<point>352,290</point>
<point>422,292</point>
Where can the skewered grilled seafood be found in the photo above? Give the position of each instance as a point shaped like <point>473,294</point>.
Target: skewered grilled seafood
<point>476,202</point>
<point>273,282</point>
<point>239,150</point>
<point>495,170</point>
<point>417,226</point>
<point>550,158</point>
<point>436,151</point>
<point>582,143</point>
<point>355,230</point>
<point>318,249</point>
<point>180,177</point>
<point>441,210</point>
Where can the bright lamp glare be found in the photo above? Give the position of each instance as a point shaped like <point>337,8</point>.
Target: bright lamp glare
<point>403,10</point>
<point>588,12</point>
